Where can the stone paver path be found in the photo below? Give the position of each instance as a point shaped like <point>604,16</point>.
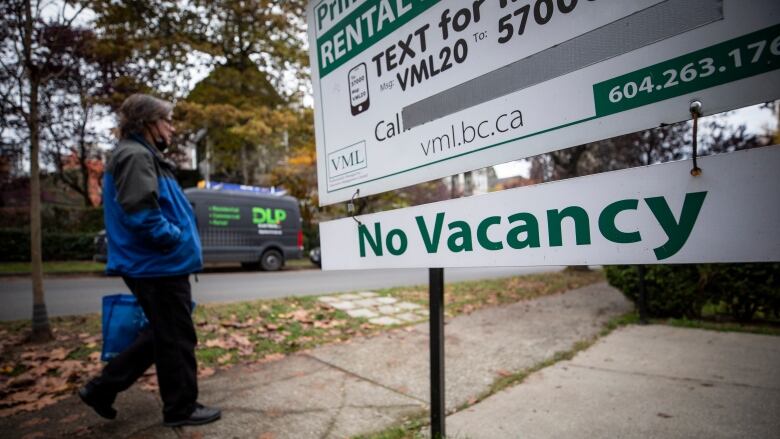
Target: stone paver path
<point>379,310</point>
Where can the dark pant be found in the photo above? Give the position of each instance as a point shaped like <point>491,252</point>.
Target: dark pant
<point>168,343</point>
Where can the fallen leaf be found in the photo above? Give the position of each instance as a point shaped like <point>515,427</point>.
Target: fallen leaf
<point>216,343</point>
<point>664,415</point>
<point>237,325</point>
<point>33,435</point>
<point>51,384</point>
<point>23,396</point>
<point>95,356</point>
<point>148,383</point>
<point>302,316</point>
<point>504,373</point>
<point>81,431</point>
<point>206,372</point>
<point>241,340</point>
<point>72,418</point>
<point>19,382</point>
<point>271,326</point>
<point>59,354</point>
<point>43,369</point>
<point>29,355</point>
<point>273,357</point>
<point>33,422</point>
<point>267,435</point>
<point>224,359</point>
<point>71,368</point>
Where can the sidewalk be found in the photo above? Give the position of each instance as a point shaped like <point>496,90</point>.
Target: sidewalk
<point>370,384</point>
<point>642,382</point>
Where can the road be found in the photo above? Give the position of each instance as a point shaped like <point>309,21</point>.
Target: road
<point>81,295</point>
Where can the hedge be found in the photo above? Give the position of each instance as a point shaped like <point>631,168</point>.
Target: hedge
<point>55,219</point>
<point>15,246</point>
<point>741,290</point>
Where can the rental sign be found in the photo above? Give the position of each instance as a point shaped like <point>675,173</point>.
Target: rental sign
<point>648,215</point>
<point>407,91</point>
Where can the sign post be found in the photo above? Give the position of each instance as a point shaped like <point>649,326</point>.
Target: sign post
<point>436,341</point>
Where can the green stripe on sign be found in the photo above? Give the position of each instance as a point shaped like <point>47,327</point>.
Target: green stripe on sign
<point>742,57</point>
<point>365,26</point>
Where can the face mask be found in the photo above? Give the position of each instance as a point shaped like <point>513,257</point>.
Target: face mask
<point>161,144</point>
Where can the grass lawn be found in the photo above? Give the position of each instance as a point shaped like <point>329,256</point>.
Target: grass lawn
<point>90,267</point>
<point>53,267</point>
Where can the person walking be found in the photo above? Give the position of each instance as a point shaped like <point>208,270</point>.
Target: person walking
<point>153,244</point>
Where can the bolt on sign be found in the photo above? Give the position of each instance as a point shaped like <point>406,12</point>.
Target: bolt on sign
<point>411,90</point>
<point>648,215</point>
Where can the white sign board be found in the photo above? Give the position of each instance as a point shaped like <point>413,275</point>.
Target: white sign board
<point>412,90</point>
<point>648,215</point>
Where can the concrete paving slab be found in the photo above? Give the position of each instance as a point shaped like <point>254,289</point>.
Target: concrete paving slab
<point>385,321</point>
<point>316,401</point>
<point>388,309</point>
<point>695,354</point>
<point>139,416</point>
<point>343,305</point>
<point>628,386</point>
<point>409,317</point>
<point>364,303</point>
<point>408,306</point>
<point>386,300</point>
<point>367,294</point>
<point>349,296</point>
<point>480,346</point>
<point>361,313</point>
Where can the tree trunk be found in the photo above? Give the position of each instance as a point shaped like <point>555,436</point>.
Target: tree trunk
<point>244,165</point>
<point>84,168</point>
<point>83,154</point>
<point>41,331</point>
<point>468,184</point>
<point>454,186</point>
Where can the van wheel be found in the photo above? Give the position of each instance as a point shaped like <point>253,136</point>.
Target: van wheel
<point>271,260</point>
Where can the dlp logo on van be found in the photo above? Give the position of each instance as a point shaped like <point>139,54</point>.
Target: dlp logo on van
<point>348,159</point>
<point>266,215</point>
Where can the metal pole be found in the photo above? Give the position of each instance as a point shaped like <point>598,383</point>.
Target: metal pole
<point>642,295</point>
<point>436,301</point>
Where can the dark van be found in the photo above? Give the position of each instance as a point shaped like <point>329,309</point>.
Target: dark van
<point>259,230</point>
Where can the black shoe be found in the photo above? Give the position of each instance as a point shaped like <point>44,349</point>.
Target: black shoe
<point>201,415</point>
<point>102,408</point>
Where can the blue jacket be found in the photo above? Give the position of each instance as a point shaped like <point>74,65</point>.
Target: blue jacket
<point>150,225</point>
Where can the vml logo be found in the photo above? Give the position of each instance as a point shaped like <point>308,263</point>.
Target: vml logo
<point>347,160</point>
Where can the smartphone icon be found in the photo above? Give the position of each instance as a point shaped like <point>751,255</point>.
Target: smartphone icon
<point>358,89</point>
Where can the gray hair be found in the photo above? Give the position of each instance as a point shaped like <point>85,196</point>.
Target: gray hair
<point>138,110</point>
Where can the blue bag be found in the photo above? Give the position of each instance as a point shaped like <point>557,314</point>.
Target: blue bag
<point>123,319</point>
